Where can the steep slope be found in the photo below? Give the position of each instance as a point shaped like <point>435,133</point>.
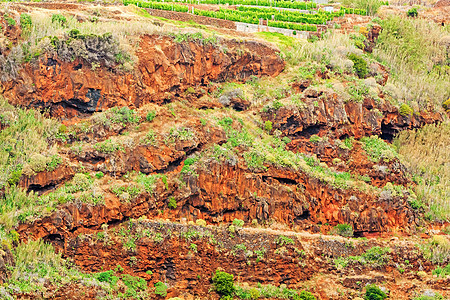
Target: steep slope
<point>142,156</point>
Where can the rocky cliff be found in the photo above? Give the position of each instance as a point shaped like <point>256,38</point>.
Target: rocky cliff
<point>164,72</point>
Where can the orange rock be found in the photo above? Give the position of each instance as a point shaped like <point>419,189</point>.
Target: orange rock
<point>165,70</point>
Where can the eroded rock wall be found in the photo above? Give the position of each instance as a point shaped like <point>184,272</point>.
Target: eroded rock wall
<point>164,71</point>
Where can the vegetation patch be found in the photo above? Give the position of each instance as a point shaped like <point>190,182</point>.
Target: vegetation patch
<point>373,292</point>
<point>377,149</point>
<point>424,152</point>
<point>343,230</point>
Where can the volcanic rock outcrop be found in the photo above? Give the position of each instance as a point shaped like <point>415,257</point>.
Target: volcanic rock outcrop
<point>164,72</point>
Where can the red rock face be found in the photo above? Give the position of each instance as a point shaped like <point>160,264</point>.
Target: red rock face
<point>222,192</point>
<point>10,31</point>
<point>329,114</point>
<point>47,179</point>
<point>164,71</point>
<point>261,258</point>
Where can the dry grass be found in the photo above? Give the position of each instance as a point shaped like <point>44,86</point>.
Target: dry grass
<point>416,51</point>
<point>27,132</point>
<point>332,49</point>
<point>427,155</point>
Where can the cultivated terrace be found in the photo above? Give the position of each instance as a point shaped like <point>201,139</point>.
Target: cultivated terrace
<point>225,149</point>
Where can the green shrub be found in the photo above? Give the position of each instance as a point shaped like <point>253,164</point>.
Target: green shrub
<point>305,295</point>
<point>436,296</point>
<point>437,250</point>
<point>15,176</point>
<point>405,110</point>
<point>172,203</point>
<point>148,182</point>
<point>343,230</point>
<point>150,138</point>
<point>123,115</point>
<point>161,289</point>
<point>374,293</point>
<point>359,44</point>
<point>377,149</point>
<point>286,140</point>
<point>80,182</point>
<point>268,126</point>
<point>187,165</point>
<point>62,129</point>
<point>54,162</point>
<point>109,146</point>
<point>347,143</point>
<point>38,162</point>
<point>412,13</point>
<point>277,105</point>
<point>59,19</point>
<point>180,134</point>
<point>200,222</point>
<point>254,293</point>
<point>375,255</point>
<point>446,104</point>
<point>25,22</point>
<point>238,222</point>
<point>133,284</point>
<point>359,64</point>
<point>442,272</point>
<point>99,175</point>
<point>224,283</point>
<point>10,21</point>
<point>315,139</point>
<point>107,276</point>
<point>284,240</point>
<point>151,115</point>
<point>226,122</point>
<point>362,7</point>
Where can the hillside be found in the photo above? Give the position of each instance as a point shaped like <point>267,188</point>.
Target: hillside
<point>224,150</point>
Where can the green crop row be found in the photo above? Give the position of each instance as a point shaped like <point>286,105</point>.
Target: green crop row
<point>228,14</point>
<point>157,5</point>
<point>293,26</point>
<point>355,11</point>
<point>270,3</point>
<point>252,14</point>
<point>293,16</point>
<point>253,17</point>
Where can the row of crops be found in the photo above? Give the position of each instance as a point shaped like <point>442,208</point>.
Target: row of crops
<point>355,11</point>
<point>270,3</point>
<point>157,5</point>
<point>162,5</point>
<point>288,19</point>
<point>293,26</point>
<point>253,17</point>
<point>283,4</point>
<point>319,17</point>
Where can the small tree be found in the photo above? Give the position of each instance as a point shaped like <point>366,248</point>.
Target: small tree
<point>374,293</point>
<point>412,13</point>
<point>359,64</point>
<point>223,283</point>
<point>305,295</point>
